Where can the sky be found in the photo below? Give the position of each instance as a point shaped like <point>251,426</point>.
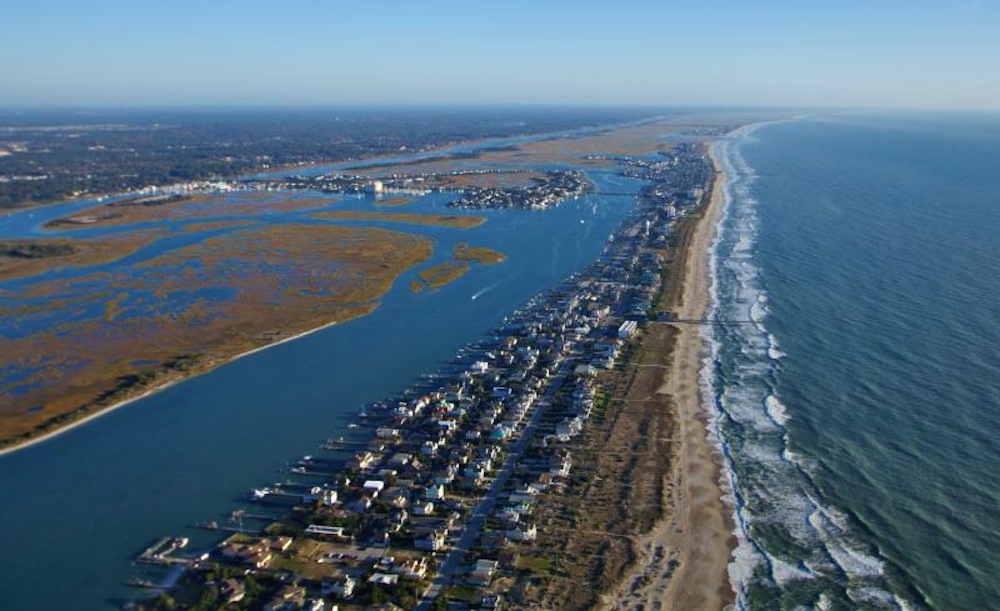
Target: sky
<point>918,54</point>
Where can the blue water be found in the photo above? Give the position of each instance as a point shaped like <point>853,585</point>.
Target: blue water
<point>858,386</point>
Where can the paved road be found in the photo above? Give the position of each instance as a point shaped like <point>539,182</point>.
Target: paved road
<point>484,509</point>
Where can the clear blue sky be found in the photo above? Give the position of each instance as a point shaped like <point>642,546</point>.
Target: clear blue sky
<point>891,53</point>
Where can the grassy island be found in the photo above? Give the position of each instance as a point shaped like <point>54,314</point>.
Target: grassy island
<point>181,208</point>
<point>479,254</point>
<point>26,258</point>
<point>443,274</point>
<point>395,201</point>
<point>437,220</point>
<point>37,250</point>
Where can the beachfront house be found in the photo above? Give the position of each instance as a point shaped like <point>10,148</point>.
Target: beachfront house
<point>482,573</point>
<point>523,532</point>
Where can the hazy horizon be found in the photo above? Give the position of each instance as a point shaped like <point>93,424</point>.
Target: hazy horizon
<point>923,55</point>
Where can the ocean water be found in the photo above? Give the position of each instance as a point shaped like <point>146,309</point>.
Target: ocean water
<point>854,367</point>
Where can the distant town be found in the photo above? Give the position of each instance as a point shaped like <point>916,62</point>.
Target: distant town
<point>48,156</point>
<point>549,190</point>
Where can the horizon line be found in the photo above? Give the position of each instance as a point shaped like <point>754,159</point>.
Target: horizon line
<point>424,106</point>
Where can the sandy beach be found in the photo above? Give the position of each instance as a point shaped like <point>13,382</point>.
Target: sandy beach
<point>685,557</point>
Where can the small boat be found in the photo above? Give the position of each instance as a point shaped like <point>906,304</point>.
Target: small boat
<point>142,583</point>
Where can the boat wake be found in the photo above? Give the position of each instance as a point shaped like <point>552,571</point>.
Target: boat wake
<point>482,292</point>
<point>793,551</point>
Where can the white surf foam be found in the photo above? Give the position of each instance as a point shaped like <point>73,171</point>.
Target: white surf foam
<point>849,558</point>
<point>773,350</point>
<point>757,314</point>
<point>869,596</point>
<point>784,572</point>
<point>776,410</point>
<point>745,557</point>
<point>743,404</point>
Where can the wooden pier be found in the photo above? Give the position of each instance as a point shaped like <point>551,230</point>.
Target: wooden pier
<point>159,552</point>
<point>229,529</point>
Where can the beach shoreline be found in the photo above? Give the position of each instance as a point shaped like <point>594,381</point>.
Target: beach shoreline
<point>684,559</point>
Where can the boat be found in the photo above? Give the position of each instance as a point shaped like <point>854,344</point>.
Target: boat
<point>142,583</point>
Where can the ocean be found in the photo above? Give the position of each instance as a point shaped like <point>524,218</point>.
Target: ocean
<point>854,365</point>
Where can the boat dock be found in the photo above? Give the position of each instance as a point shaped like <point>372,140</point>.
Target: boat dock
<point>343,444</point>
<point>313,472</point>
<point>160,552</point>
<point>229,529</point>
<point>144,583</point>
